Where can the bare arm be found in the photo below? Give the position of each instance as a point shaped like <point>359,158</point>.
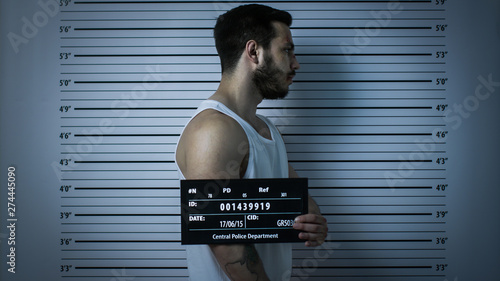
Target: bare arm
<point>240,261</point>
<point>213,146</point>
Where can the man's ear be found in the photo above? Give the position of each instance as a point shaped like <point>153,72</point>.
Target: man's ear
<point>252,51</point>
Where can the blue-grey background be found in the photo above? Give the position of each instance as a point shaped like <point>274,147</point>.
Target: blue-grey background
<point>31,123</point>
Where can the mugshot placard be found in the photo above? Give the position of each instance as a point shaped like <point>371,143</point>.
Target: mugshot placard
<point>233,211</point>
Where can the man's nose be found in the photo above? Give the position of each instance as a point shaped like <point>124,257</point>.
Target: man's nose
<point>295,63</point>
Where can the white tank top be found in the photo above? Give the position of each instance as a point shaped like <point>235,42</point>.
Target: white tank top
<point>267,159</point>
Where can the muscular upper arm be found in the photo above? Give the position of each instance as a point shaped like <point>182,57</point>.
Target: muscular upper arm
<point>212,146</point>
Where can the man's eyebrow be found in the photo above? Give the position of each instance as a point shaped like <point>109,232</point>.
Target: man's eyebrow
<point>290,45</point>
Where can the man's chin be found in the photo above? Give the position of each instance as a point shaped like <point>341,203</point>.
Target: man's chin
<point>275,95</point>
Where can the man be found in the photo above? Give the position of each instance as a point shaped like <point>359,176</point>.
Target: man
<point>227,139</point>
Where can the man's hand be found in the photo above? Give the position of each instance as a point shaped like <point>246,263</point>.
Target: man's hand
<point>314,229</point>
<point>313,225</point>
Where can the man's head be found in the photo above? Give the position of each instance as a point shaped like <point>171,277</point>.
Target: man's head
<point>241,24</point>
<point>249,28</point>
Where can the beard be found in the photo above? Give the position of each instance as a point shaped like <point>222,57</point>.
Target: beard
<point>267,80</point>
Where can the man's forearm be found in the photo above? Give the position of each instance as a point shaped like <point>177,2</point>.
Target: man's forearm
<point>240,262</point>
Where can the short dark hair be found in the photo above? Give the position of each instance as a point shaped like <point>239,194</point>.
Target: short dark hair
<point>241,24</point>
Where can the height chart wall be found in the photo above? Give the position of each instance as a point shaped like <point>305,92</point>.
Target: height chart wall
<point>393,117</point>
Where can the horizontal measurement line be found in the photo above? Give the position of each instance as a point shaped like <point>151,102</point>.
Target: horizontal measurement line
<point>372,187</point>
<point>319,143</point>
<point>360,161</point>
<point>296,19</point>
<point>373,276</point>
<point>126,135</point>
<point>138,143</point>
<point>134,108</point>
<point>114,277</point>
<point>294,99</point>
<point>331,116</point>
<point>329,170</point>
<point>217,72</point>
<point>81,232</point>
<point>368,267</point>
<point>78,259</point>
<point>178,126</point>
<point>208,63</point>
<point>322,99</point>
<point>379,258</point>
<point>279,126</point>
<point>173,170</point>
<point>298,55</point>
<point>308,19</point>
<point>386,223</point>
<point>300,276</point>
<point>394,249</point>
<point>270,116</point>
<point>388,231</point>
<point>142,55</point>
<point>208,36</point>
<point>244,1</point>
<point>126,215</point>
<point>129,267</point>
<point>316,72</point>
<point>120,250</point>
<point>121,64</point>
<point>377,214</point>
<point>149,197</point>
<point>360,134</point>
<point>124,152</point>
<point>123,161</point>
<point>128,241</point>
<point>328,151</point>
<point>138,37</point>
<point>367,205</point>
<point>384,178</point>
<point>366,55</point>
<point>218,81</point>
<point>200,46</point>
<point>262,107</point>
<point>345,107</point>
<point>383,241</point>
<point>211,28</point>
<point>387,196</point>
<point>290,9</point>
<point>119,197</point>
<point>122,206</point>
<point>117,179</point>
<point>121,223</point>
<point>206,46</point>
<point>363,81</point>
<point>123,188</point>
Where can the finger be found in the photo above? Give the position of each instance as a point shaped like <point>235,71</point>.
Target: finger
<point>313,238</point>
<point>310,227</point>
<point>310,218</point>
<point>313,243</point>
<point>312,235</point>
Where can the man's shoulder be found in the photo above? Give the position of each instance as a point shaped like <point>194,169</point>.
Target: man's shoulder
<point>212,123</point>
<point>209,142</point>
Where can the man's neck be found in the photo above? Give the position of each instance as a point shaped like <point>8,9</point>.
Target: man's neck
<point>239,95</point>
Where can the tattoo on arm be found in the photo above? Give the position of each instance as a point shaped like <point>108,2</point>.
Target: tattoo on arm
<point>250,259</point>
